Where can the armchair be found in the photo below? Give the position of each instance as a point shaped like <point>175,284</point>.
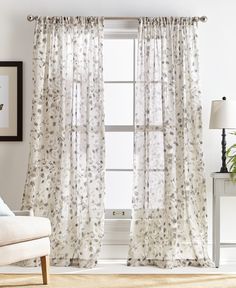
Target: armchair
<point>24,237</point>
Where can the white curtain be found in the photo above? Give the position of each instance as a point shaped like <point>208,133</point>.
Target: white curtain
<point>169,225</point>
<point>65,179</point>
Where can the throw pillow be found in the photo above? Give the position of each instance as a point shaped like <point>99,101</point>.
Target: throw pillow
<point>4,209</point>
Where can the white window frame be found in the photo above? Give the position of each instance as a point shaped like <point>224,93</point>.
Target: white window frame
<point>122,213</point>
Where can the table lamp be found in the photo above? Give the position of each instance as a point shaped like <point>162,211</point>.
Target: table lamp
<point>223,116</point>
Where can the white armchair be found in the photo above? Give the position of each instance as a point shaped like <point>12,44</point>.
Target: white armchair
<point>24,237</point>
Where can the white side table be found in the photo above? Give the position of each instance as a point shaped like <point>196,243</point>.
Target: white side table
<point>222,186</point>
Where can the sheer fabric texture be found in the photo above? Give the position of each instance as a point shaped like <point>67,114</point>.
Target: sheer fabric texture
<point>65,179</point>
<point>169,225</point>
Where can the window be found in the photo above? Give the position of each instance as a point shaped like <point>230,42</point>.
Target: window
<point>119,91</point>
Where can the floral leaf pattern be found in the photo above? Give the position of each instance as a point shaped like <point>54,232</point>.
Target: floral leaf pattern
<point>169,225</point>
<point>65,180</point>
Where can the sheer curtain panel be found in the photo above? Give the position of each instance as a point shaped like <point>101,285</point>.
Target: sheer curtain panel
<point>65,179</point>
<point>169,225</point>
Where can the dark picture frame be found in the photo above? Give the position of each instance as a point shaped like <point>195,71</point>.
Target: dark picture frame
<point>11,100</point>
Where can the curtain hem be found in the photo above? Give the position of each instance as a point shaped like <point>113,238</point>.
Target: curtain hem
<point>60,262</point>
<point>81,263</point>
<point>205,262</point>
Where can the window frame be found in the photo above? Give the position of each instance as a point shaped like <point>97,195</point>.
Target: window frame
<point>131,35</point>
<point>123,128</point>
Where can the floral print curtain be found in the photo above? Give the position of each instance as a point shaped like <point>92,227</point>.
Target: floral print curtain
<point>169,225</point>
<point>65,179</point>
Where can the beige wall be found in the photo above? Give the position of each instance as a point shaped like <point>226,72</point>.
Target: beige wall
<point>218,62</point>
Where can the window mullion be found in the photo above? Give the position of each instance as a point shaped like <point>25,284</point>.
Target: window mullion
<point>119,128</point>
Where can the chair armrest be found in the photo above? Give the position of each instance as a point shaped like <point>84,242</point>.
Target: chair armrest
<point>24,213</point>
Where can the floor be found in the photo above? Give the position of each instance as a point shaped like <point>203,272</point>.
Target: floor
<point>118,281</point>
<point>119,267</point>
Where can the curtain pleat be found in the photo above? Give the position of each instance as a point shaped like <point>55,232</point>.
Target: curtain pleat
<point>65,179</point>
<point>169,222</point>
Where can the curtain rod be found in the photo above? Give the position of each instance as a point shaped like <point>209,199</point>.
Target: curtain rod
<point>202,18</point>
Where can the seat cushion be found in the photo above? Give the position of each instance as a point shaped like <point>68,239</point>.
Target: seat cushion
<point>23,251</point>
<point>23,228</point>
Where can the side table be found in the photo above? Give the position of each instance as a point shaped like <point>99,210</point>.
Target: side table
<point>222,187</point>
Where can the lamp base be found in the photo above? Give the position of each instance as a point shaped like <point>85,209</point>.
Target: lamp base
<point>224,170</point>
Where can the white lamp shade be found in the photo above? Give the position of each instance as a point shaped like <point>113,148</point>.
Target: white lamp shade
<point>223,114</point>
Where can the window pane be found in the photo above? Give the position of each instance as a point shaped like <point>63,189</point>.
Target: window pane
<point>155,46</point>
<point>119,150</point>
<point>119,187</point>
<point>118,60</point>
<point>154,153</point>
<point>118,104</point>
<point>155,102</point>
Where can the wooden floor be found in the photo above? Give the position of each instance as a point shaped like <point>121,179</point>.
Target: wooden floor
<point>120,281</point>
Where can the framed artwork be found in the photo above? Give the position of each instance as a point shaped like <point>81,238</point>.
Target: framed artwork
<point>11,105</point>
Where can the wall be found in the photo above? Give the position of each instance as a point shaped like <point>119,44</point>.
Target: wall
<point>218,62</point>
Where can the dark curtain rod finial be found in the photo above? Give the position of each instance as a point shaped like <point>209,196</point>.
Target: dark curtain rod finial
<point>203,19</point>
<point>31,18</point>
